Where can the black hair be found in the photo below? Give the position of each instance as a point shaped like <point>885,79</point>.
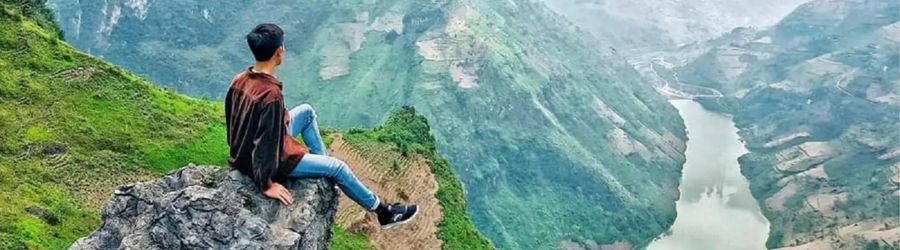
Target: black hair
<point>264,40</point>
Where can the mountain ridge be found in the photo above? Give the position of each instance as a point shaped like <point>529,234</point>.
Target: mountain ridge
<point>649,27</point>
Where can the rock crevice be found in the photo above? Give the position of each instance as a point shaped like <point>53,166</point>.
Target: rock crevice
<point>205,207</point>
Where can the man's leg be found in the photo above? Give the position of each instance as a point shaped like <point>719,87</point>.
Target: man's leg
<point>303,123</point>
<point>317,166</point>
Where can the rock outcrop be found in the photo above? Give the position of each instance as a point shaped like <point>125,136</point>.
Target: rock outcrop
<point>205,207</point>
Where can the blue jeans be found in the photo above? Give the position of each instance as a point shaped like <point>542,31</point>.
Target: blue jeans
<point>317,164</point>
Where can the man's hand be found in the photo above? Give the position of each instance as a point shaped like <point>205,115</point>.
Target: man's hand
<point>278,192</point>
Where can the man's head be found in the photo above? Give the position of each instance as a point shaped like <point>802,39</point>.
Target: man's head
<point>266,41</point>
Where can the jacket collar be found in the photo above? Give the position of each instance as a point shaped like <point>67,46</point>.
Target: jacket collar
<point>256,74</point>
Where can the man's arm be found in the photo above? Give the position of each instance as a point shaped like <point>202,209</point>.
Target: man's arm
<point>267,152</point>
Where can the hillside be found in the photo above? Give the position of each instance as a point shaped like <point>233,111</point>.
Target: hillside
<point>73,127</point>
<point>553,135</point>
<point>816,99</point>
<point>398,160</point>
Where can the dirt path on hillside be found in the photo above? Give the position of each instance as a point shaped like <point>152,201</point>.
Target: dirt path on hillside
<point>413,183</point>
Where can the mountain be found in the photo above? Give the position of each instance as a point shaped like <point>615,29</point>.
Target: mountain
<point>73,128</point>
<point>816,98</point>
<point>554,136</point>
<point>639,27</point>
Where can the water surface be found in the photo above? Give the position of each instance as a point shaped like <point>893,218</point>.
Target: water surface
<point>716,210</point>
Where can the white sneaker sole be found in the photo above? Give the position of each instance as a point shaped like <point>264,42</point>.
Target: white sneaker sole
<point>391,225</point>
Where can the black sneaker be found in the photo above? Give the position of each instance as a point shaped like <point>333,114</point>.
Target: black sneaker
<point>397,214</point>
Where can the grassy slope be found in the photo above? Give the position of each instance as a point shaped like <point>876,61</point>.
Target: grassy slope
<point>72,125</point>
<point>409,132</point>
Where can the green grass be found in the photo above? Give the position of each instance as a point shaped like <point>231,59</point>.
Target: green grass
<point>344,240</point>
<point>70,123</point>
<point>409,132</point>
<point>35,216</point>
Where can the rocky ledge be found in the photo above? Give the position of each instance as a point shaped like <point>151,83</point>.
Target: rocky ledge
<point>206,207</point>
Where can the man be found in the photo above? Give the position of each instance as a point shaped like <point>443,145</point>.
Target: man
<point>261,135</point>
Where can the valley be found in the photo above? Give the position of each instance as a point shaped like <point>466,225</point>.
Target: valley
<point>813,92</point>
<point>814,97</point>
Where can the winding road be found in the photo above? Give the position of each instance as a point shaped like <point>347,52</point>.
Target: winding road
<point>673,90</point>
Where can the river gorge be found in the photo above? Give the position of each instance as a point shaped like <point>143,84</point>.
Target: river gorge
<point>716,209</point>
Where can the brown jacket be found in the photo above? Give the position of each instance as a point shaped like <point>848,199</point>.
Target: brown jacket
<point>257,121</point>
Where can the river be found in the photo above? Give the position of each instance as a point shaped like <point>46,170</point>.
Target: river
<point>716,209</point>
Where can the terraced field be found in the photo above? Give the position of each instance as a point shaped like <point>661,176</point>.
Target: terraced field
<point>394,178</point>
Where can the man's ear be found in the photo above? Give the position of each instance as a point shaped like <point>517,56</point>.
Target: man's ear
<point>279,54</point>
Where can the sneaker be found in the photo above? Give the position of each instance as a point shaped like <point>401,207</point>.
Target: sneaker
<point>397,214</point>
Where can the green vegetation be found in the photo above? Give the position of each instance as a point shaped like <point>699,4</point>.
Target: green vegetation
<point>343,240</point>
<point>409,133</point>
<point>73,127</point>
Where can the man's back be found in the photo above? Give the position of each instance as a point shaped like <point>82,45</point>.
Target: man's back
<point>257,135</point>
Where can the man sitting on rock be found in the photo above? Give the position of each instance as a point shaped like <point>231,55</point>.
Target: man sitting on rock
<point>261,135</point>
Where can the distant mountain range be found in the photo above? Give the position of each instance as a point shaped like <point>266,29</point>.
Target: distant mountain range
<point>638,27</point>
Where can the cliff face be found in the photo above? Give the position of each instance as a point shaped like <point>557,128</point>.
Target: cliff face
<point>204,207</point>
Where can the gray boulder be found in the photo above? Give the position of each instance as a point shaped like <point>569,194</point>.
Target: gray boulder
<point>206,207</point>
